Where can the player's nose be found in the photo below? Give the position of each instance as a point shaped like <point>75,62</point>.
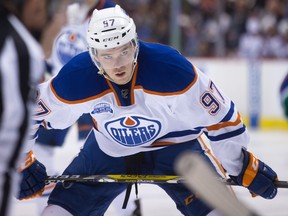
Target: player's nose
<point>118,62</point>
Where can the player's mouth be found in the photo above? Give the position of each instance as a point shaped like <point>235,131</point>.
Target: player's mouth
<point>120,74</point>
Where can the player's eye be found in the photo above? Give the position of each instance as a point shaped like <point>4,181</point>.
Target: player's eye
<point>125,52</point>
<point>107,57</point>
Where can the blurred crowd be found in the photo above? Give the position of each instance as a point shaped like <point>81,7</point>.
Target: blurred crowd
<point>215,28</point>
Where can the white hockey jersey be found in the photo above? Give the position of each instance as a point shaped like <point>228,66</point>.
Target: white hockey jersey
<point>170,102</point>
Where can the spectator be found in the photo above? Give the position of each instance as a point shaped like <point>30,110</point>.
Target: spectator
<point>251,42</point>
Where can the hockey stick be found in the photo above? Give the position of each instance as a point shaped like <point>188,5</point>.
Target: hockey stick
<point>160,179</point>
<point>201,179</point>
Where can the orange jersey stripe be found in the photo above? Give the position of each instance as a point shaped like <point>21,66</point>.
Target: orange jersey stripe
<point>95,123</point>
<point>133,85</point>
<point>163,143</point>
<point>85,127</point>
<point>225,124</point>
<point>211,155</point>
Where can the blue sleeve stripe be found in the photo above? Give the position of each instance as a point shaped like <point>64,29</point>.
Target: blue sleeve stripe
<point>34,136</point>
<point>229,114</point>
<point>49,124</point>
<point>39,122</point>
<point>43,124</point>
<point>227,135</point>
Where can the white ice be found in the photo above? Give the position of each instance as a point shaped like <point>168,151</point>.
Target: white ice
<point>270,146</point>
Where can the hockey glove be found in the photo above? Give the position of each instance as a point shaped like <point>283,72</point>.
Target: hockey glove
<point>33,177</point>
<point>256,176</point>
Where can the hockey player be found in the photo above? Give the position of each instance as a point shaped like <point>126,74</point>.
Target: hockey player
<point>71,41</point>
<point>284,95</point>
<point>149,104</point>
<point>21,68</point>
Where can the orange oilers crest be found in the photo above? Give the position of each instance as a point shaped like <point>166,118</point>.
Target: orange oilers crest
<point>129,122</point>
<point>72,37</point>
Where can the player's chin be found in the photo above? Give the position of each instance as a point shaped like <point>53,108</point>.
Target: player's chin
<point>121,80</point>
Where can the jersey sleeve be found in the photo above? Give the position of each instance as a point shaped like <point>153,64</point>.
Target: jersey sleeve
<point>221,123</point>
<point>51,113</point>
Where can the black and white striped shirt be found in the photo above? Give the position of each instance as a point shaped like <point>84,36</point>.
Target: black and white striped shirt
<point>21,67</point>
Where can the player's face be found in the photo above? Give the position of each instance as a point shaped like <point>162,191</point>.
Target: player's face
<point>117,62</point>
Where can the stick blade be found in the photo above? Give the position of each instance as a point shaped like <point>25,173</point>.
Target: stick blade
<point>201,179</point>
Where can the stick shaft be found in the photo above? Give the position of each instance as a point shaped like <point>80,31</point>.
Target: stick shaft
<point>202,180</point>
<point>159,179</point>
<point>116,178</point>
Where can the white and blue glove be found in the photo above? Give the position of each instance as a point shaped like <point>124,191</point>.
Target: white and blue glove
<point>257,176</point>
<point>33,178</point>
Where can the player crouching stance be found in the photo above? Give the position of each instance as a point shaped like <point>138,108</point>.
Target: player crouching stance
<point>149,105</point>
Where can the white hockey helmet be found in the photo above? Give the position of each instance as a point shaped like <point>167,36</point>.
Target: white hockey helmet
<point>110,28</point>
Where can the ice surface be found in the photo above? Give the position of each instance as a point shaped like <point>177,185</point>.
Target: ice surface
<point>270,146</point>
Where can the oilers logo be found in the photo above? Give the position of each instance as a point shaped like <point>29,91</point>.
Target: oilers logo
<point>68,45</point>
<point>133,130</point>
